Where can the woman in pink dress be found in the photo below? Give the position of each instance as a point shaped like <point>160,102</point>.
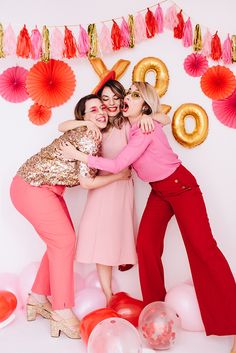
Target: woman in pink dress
<point>107,230</point>
<point>174,191</point>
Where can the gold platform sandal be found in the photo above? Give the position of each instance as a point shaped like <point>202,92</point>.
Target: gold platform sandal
<point>35,308</point>
<point>70,327</point>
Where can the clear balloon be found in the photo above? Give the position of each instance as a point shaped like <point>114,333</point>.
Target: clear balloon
<point>158,325</point>
<point>183,300</point>
<point>114,335</point>
<point>87,300</point>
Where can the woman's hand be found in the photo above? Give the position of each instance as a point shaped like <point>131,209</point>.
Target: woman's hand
<point>69,152</point>
<point>125,174</point>
<point>96,133</point>
<point>146,124</point>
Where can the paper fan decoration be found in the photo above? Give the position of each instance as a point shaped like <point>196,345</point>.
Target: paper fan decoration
<point>195,65</point>
<point>50,83</point>
<point>12,84</point>
<point>38,114</point>
<point>225,110</point>
<point>218,82</point>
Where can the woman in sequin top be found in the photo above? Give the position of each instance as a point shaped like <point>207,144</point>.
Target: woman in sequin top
<point>36,192</point>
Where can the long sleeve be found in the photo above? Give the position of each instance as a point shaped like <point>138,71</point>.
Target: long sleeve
<point>137,144</point>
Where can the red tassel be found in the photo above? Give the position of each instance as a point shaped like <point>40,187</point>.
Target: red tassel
<point>70,44</point>
<point>216,51</point>
<point>115,36</point>
<point>23,47</point>
<point>151,24</point>
<point>179,29</point>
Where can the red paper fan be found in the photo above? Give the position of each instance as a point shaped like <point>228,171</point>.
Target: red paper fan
<point>12,84</point>
<point>195,64</point>
<point>218,82</point>
<point>50,84</point>
<point>225,110</point>
<point>38,114</point>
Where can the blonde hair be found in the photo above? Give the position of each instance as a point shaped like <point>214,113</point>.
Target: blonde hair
<point>151,99</point>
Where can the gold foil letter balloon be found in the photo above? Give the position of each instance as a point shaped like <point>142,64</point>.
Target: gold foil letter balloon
<point>199,134</point>
<point>152,64</point>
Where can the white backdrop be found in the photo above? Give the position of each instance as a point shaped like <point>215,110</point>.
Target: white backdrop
<point>213,162</point>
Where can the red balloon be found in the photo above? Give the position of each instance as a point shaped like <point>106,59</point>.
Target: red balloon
<point>88,323</point>
<point>127,307</point>
<point>8,304</point>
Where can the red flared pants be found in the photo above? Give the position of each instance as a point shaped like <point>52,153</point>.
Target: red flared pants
<point>46,210</point>
<point>214,283</point>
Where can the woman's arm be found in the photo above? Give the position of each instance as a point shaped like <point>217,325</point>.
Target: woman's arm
<point>99,181</point>
<point>73,124</point>
<point>146,124</point>
<point>161,118</point>
<point>137,144</point>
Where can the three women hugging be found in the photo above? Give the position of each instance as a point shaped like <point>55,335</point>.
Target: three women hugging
<point>131,124</point>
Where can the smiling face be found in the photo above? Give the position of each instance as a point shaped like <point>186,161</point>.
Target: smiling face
<point>95,111</point>
<point>111,100</point>
<point>133,103</point>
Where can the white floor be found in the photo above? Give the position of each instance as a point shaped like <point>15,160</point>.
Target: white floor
<point>21,336</point>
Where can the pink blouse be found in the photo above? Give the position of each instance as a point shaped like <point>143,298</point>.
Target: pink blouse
<point>149,154</point>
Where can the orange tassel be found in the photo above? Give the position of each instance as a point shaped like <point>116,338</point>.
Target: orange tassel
<point>23,47</point>
<point>115,36</point>
<point>70,44</point>
<point>216,51</point>
<point>179,29</point>
<point>151,24</point>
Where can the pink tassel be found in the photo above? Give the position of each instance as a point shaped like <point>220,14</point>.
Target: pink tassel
<point>83,43</point>
<point>57,44</point>
<point>105,40</point>
<point>206,44</point>
<point>227,51</point>
<point>188,34</point>
<point>36,41</point>
<point>125,35</point>
<point>139,28</point>
<point>9,41</point>
<point>171,20</point>
<point>159,18</point>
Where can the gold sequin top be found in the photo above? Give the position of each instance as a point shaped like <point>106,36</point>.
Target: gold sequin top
<point>46,167</point>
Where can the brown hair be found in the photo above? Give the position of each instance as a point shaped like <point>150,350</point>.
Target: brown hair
<point>79,110</point>
<point>118,89</point>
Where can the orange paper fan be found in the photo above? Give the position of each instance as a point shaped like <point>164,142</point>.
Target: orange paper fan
<point>38,114</point>
<point>218,82</point>
<point>50,84</point>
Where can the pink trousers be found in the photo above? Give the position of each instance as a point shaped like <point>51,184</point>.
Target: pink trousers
<point>45,208</point>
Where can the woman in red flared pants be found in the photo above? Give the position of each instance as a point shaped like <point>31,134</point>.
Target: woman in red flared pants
<point>174,192</point>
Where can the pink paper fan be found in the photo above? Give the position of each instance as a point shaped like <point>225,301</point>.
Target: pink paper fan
<point>195,65</point>
<point>225,110</point>
<point>12,84</point>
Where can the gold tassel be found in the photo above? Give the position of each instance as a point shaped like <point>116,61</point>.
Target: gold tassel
<point>197,41</point>
<point>93,38</point>
<point>131,30</point>
<point>2,55</point>
<point>233,40</point>
<point>45,45</point>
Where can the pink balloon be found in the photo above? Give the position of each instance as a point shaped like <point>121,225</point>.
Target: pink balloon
<point>114,335</point>
<point>26,280</point>
<point>183,300</point>
<point>92,280</point>
<point>87,300</point>
<point>79,282</point>
<point>10,282</point>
